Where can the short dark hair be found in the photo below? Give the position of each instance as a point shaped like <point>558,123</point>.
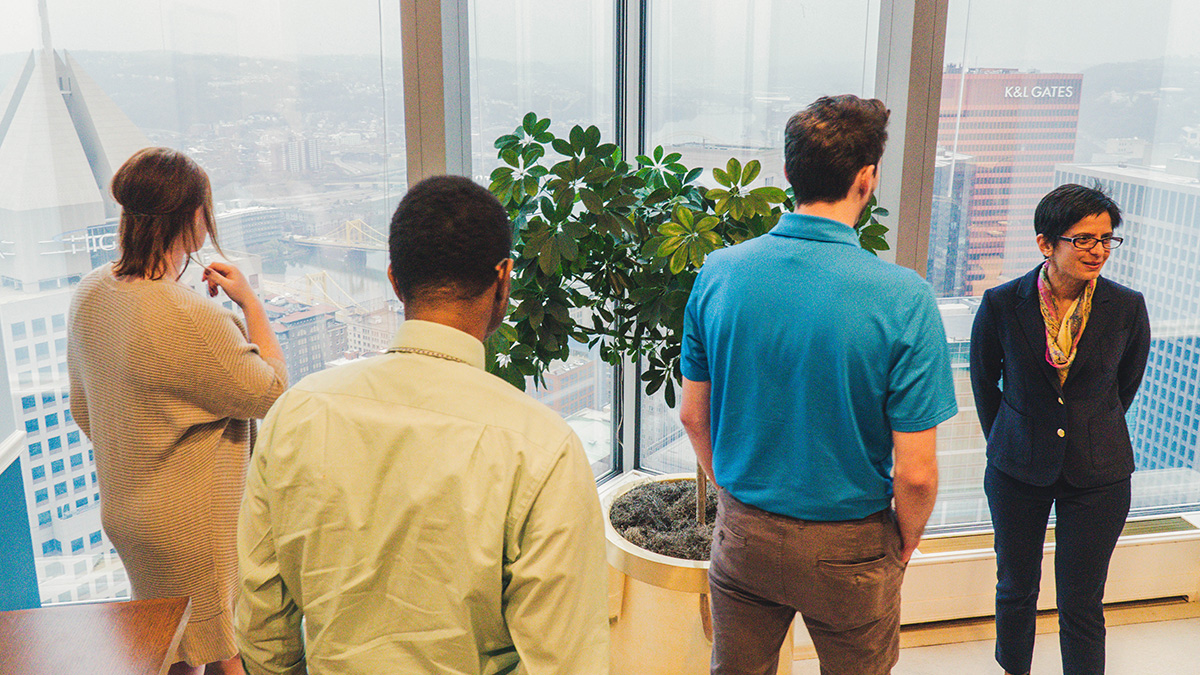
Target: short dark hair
<point>447,236</point>
<point>159,190</point>
<point>1068,204</point>
<point>829,142</point>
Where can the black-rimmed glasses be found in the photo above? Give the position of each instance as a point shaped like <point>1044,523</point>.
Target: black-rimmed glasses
<point>1086,242</point>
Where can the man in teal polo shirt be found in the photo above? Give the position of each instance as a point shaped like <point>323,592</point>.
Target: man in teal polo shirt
<point>815,376</point>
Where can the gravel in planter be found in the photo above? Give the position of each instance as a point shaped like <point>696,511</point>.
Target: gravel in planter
<point>660,516</point>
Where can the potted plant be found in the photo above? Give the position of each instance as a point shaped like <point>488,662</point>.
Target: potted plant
<point>607,252</point>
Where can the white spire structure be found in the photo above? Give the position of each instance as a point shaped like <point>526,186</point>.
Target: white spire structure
<point>44,16</point>
<point>61,139</point>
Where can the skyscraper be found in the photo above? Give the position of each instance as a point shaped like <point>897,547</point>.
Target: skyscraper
<point>1159,257</point>
<point>61,139</point>
<point>1015,126</point>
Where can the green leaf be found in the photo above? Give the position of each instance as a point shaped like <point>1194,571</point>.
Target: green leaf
<point>505,141</point>
<point>577,137</point>
<point>673,182</point>
<point>874,229</point>
<point>507,332</point>
<point>591,200</point>
<point>568,248</point>
<point>751,172</point>
<point>658,154</point>
<point>717,194</point>
<point>650,248</point>
<point>772,194</point>
<point>528,123</point>
<point>548,257</point>
<point>683,216</point>
<point>693,175</point>
<point>532,153</point>
<point>575,228</point>
<point>501,184</point>
<point>657,196</point>
<point>881,212</point>
<point>562,147</point>
<point>722,177</point>
<point>679,260</point>
<point>734,168</point>
<point>600,173</point>
<point>668,246</point>
<point>672,230</point>
<point>592,136</point>
<point>873,244</point>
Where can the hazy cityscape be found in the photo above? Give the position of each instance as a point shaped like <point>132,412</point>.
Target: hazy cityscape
<point>307,159</point>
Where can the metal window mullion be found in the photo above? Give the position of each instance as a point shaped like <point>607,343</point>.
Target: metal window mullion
<point>912,41</point>
<point>630,35</point>
<point>437,87</point>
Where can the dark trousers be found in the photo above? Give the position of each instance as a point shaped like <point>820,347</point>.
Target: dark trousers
<point>1089,520</point>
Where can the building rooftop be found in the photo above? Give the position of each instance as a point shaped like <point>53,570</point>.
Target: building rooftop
<point>1134,173</point>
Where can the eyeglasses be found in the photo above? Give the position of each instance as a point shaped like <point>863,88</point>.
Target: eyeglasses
<point>1086,242</point>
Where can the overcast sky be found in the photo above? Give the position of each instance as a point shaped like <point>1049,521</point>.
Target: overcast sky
<point>1021,33</point>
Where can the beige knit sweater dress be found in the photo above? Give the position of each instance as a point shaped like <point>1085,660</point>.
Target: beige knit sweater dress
<point>165,383</point>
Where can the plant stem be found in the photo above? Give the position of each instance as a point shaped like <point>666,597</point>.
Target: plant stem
<point>701,496</point>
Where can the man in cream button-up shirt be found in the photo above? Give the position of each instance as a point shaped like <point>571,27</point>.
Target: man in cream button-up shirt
<point>419,514</point>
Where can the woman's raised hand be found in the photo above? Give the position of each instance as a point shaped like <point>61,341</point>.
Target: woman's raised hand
<point>231,280</point>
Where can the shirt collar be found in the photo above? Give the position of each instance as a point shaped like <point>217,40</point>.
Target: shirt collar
<point>440,338</point>
<point>815,228</point>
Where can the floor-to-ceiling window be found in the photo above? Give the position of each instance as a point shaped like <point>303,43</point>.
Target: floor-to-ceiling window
<point>723,79</point>
<point>295,111</point>
<point>1037,95</point>
<point>554,59</point>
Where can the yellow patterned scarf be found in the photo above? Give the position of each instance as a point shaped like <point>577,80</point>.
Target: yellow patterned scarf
<point>1063,336</point>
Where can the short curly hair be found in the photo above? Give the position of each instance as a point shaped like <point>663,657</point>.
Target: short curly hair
<point>447,236</point>
<point>829,142</point>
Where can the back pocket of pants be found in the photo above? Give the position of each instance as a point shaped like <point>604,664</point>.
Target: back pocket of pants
<point>850,594</point>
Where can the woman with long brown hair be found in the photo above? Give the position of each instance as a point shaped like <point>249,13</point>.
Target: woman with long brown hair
<point>166,384</point>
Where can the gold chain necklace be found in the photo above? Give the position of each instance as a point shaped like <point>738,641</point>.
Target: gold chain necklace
<point>423,352</point>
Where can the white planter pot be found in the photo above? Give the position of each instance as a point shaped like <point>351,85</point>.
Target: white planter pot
<point>659,606</point>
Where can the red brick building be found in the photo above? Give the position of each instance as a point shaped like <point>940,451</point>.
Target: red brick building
<point>1015,126</point>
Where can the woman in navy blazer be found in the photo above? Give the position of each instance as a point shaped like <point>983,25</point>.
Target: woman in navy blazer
<point>1056,359</point>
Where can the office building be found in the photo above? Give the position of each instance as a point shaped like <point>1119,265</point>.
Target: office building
<point>61,139</point>
<point>1016,126</point>
<point>1158,258</point>
<point>310,335</point>
<point>953,187</point>
<point>251,228</point>
<point>371,327</point>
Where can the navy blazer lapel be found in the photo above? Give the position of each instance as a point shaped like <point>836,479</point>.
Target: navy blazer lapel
<point>1097,326</point>
<point>1029,316</point>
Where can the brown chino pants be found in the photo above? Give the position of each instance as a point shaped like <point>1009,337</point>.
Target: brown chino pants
<point>843,577</point>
